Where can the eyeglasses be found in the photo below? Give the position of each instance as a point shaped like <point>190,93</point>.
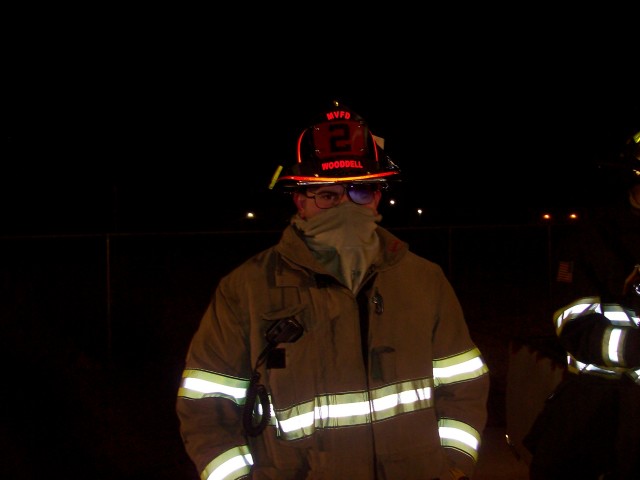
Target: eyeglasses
<point>331,195</point>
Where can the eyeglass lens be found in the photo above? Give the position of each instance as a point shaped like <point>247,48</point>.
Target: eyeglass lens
<point>360,194</point>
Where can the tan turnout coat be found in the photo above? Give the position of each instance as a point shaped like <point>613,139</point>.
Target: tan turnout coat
<point>412,407</point>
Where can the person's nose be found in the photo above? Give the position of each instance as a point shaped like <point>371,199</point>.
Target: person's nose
<point>344,198</point>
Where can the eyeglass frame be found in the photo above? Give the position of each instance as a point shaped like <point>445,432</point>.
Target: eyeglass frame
<point>347,188</point>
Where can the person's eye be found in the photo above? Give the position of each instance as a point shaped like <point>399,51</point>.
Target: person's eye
<point>328,196</point>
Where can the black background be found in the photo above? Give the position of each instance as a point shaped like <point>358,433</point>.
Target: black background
<point>119,124</point>
<point>138,125</point>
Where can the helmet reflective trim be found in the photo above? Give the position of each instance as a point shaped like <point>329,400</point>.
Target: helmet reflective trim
<point>303,181</point>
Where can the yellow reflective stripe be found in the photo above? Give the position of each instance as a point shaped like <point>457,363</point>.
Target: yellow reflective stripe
<point>402,402</point>
<point>576,366</point>
<point>200,384</point>
<point>619,316</point>
<point>635,375</point>
<point>231,465</point>
<point>576,309</point>
<point>354,408</point>
<point>458,368</point>
<point>459,435</point>
<point>612,344</point>
<point>616,314</point>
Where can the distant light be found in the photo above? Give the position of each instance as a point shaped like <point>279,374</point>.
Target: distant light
<point>546,216</point>
<point>573,216</point>
<point>419,211</point>
<point>250,215</point>
<point>392,202</point>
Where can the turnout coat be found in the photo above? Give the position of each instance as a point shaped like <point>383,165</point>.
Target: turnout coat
<point>385,383</point>
<point>590,424</point>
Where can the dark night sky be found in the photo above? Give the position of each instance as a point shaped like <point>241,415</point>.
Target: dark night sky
<point>178,131</point>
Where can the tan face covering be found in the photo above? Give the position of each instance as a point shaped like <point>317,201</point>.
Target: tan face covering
<point>343,239</point>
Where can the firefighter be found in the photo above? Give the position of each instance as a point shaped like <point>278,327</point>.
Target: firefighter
<point>589,427</point>
<point>337,353</point>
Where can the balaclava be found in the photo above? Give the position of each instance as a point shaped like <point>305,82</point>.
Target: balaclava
<point>343,240</point>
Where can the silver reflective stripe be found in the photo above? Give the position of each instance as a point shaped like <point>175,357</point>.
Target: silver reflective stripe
<point>613,338</point>
<point>576,366</point>
<point>617,315</point>
<point>355,408</point>
<point>460,436</point>
<point>459,368</point>
<point>576,309</point>
<point>635,375</point>
<point>612,346</point>
<point>232,464</point>
<point>199,384</point>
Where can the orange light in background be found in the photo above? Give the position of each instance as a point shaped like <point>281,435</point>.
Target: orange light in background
<point>573,216</point>
<point>546,216</point>
<point>250,215</point>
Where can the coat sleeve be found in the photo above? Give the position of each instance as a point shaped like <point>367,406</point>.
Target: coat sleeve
<point>213,389</point>
<point>596,323</point>
<point>599,334</point>
<point>461,379</point>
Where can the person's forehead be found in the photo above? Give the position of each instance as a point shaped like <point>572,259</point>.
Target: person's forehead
<point>326,188</point>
